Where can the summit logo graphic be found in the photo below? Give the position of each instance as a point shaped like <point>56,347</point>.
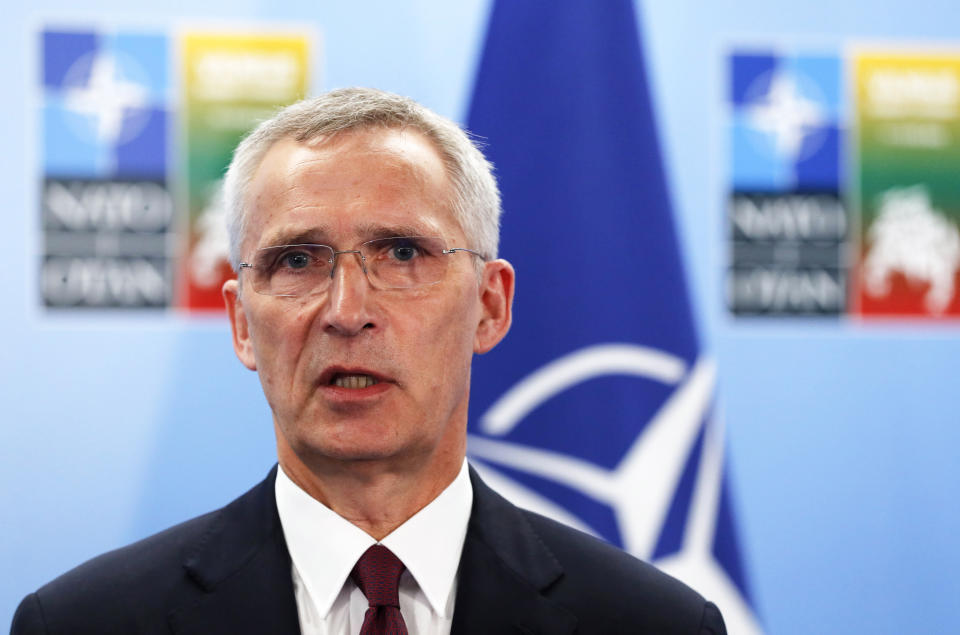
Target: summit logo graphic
<point>907,262</point>
<point>911,238</point>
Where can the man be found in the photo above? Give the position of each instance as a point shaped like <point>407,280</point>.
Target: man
<point>364,232</point>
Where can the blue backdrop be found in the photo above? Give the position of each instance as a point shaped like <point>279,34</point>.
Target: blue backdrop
<point>839,436</point>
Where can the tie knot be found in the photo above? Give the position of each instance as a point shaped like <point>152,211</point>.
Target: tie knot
<point>377,573</point>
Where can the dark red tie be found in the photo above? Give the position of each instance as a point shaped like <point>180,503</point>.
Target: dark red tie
<point>377,573</point>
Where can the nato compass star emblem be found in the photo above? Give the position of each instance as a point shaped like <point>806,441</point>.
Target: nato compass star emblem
<point>97,90</point>
<point>786,116</point>
<point>641,487</point>
<point>105,104</point>
<point>786,122</point>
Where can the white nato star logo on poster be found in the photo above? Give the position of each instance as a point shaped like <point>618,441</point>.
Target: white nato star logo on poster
<point>786,115</point>
<point>641,487</point>
<point>107,97</point>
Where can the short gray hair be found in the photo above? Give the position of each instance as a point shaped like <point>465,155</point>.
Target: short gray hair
<point>476,198</point>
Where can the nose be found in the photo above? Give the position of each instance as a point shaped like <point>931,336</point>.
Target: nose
<point>347,311</point>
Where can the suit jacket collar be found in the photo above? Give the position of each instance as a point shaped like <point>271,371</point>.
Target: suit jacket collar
<point>504,571</point>
<point>242,564</point>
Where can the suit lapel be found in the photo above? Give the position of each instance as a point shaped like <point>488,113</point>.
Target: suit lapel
<point>242,565</point>
<point>504,570</point>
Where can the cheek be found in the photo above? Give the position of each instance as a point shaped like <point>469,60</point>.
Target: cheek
<point>279,336</point>
<point>451,332</point>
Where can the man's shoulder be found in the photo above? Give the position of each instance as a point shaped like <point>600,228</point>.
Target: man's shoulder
<point>590,562</point>
<point>105,591</point>
<point>602,587</point>
<point>583,558</point>
<point>124,570</point>
<point>133,588</point>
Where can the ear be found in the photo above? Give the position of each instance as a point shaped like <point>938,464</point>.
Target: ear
<point>242,345</point>
<point>496,298</point>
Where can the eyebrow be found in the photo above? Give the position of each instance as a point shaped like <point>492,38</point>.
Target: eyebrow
<point>372,231</point>
<point>316,235</point>
<point>366,231</point>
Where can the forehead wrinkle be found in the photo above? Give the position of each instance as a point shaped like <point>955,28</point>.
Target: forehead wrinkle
<point>371,230</point>
<point>296,236</point>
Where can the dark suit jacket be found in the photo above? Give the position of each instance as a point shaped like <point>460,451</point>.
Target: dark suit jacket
<point>229,572</point>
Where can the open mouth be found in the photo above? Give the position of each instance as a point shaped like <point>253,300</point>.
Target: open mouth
<point>344,380</point>
<point>350,378</point>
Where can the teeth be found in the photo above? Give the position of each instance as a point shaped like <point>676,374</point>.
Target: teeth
<point>354,381</point>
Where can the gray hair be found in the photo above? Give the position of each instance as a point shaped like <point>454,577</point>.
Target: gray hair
<point>476,199</point>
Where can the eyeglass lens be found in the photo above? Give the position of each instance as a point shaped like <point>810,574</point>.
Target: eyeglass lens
<point>390,263</point>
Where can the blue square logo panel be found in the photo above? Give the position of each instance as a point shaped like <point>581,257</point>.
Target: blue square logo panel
<point>106,211</point>
<point>786,122</point>
<point>788,227</point>
<point>105,104</point>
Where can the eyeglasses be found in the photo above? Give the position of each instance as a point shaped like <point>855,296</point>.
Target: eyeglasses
<point>402,262</point>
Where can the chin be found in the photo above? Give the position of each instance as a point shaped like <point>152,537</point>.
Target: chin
<point>329,439</point>
<point>352,447</point>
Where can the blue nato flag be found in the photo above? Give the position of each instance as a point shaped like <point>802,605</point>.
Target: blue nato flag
<point>598,409</point>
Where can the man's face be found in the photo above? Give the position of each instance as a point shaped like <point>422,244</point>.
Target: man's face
<point>416,343</point>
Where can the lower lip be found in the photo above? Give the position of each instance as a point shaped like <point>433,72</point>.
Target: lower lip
<point>341,394</point>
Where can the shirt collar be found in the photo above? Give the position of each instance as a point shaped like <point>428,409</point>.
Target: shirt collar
<point>324,546</point>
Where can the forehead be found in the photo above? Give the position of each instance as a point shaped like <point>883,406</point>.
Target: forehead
<point>353,186</point>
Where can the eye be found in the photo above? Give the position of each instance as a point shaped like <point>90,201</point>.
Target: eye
<point>404,250</point>
<point>294,260</point>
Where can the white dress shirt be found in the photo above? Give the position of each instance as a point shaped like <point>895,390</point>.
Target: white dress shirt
<point>324,547</point>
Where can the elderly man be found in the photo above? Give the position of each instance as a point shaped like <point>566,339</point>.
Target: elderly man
<point>364,234</point>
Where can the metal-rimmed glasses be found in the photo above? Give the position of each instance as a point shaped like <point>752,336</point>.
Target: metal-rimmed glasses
<point>398,262</point>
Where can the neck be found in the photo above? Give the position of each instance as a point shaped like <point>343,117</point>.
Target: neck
<point>376,495</point>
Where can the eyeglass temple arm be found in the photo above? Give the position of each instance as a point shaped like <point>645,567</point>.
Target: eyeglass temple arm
<point>469,251</point>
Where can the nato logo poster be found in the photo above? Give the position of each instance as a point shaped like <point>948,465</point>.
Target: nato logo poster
<point>106,209</point>
<point>787,221</point>
<point>116,145</point>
